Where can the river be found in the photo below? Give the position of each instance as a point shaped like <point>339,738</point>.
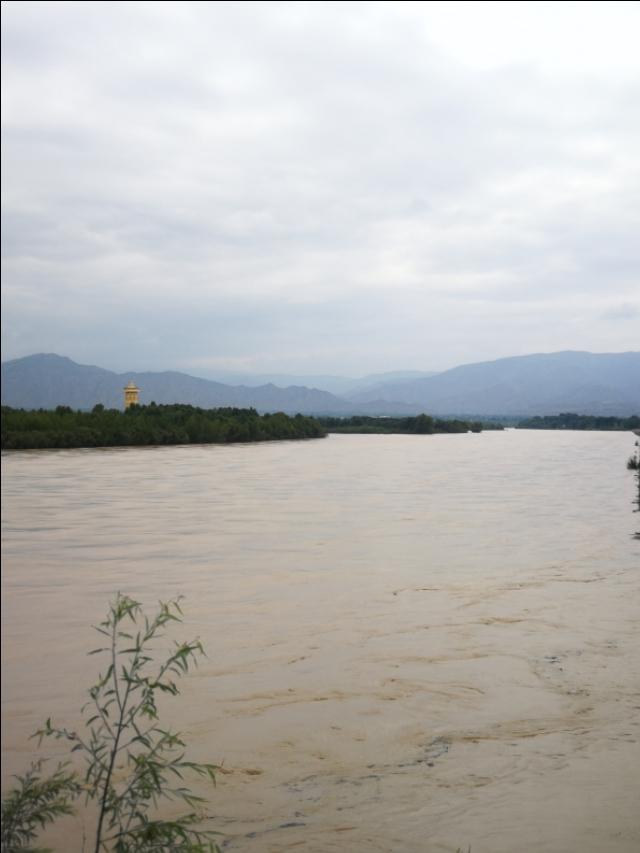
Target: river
<point>415,643</point>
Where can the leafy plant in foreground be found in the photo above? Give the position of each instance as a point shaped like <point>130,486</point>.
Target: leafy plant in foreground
<point>33,803</point>
<point>131,762</point>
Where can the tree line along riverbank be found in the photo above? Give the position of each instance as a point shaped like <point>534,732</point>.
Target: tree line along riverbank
<point>418,425</point>
<point>569,420</point>
<point>154,424</point>
<point>148,425</point>
<point>185,424</point>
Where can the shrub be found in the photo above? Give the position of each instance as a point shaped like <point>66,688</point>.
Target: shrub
<point>35,802</point>
<point>122,731</point>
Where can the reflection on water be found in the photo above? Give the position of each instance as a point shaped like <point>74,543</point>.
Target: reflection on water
<point>416,643</point>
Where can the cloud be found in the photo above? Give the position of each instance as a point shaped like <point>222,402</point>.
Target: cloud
<point>339,184</point>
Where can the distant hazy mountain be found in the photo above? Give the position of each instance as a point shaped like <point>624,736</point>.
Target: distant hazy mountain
<point>370,387</point>
<point>49,380</point>
<point>581,382</point>
<point>46,381</point>
<point>339,385</point>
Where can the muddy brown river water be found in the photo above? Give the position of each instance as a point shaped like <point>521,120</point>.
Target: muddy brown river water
<point>415,643</point>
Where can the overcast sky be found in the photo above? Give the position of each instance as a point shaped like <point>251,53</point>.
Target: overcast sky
<point>319,187</point>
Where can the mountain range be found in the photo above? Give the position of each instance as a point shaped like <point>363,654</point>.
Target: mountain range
<point>342,386</point>
<point>544,383</point>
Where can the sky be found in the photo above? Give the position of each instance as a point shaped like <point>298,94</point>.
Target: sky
<point>319,187</point>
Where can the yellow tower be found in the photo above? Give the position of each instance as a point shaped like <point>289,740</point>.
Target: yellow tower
<point>131,392</point>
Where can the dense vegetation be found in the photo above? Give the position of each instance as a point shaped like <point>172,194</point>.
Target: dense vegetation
<point>419,425</point>
<point>144,425</point>
<point>569,420</point>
